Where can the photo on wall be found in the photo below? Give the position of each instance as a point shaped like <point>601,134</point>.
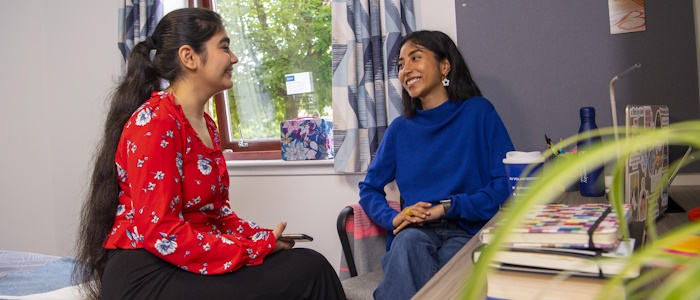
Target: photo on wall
<point>626,16</point>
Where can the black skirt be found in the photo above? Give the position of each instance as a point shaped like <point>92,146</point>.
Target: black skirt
<point>288,274</point>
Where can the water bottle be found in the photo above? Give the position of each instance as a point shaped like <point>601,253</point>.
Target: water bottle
<point>591,181</point>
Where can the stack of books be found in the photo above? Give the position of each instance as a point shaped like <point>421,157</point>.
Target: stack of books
<point>582,240</point>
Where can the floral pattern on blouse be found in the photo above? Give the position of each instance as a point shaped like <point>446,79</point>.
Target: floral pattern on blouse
<point>173,199</point>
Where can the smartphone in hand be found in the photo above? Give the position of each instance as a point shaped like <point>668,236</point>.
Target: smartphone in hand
<point>297,237</point>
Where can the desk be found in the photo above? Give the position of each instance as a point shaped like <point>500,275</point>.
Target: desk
<point>448,282</point>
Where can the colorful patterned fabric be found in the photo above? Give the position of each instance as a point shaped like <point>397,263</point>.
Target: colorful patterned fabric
<point>306,139</point>
<point>367,241</point>
<point>137,20</point>
<point>173,199</point>
<point>366,89</point>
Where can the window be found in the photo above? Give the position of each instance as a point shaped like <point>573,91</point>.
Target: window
<point>284,71</point>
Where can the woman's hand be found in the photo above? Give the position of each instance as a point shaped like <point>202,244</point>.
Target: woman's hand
<point>436,212</point>
<point>413,214</point>
<point>281,244</point>
<point>431,214</point>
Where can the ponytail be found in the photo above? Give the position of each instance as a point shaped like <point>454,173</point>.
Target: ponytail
<point>188,26</point>
<point>97,214</point>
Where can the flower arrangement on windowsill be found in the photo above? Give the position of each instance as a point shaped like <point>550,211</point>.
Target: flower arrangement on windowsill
<point>680,284</point>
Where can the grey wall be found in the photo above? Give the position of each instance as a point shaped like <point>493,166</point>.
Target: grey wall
<point>539,61</point>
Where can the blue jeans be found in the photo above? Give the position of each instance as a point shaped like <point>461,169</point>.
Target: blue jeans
<point>416,254</point>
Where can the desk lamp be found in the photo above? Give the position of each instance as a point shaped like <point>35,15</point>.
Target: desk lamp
<point>612,102</point>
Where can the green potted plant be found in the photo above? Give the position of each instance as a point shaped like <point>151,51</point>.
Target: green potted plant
<point>678,284</point>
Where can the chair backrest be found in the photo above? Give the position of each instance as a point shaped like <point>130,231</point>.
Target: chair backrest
<point>363,241</point>
<point>345,220</point>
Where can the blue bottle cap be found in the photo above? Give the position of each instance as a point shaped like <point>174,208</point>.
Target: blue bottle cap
<point>587,112</point>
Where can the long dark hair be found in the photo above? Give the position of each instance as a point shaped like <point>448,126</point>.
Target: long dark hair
<point>461,87</point>
<point>189,26</point>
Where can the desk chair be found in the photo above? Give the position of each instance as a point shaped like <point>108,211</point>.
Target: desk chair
<point>363,243</point>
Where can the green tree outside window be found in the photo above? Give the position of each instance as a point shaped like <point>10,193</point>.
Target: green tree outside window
<point>273,38</point>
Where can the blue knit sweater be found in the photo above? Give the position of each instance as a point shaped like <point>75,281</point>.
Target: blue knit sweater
<point>453,151</point>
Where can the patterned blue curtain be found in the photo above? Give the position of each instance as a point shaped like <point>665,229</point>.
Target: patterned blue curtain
<point>137,20</point>
<point>366,89</point>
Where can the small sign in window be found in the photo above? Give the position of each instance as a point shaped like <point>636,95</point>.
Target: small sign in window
<point>299,83</point>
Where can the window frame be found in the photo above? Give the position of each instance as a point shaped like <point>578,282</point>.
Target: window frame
<point>258,149</point>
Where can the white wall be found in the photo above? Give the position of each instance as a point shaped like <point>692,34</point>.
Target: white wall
<point>59,64</point>
<point>170,5</point>
<point>22,134</point>
<point>436,15</point>
<point>309,203</point>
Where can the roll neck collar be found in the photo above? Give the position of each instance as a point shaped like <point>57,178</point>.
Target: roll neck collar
<point>439,113</point>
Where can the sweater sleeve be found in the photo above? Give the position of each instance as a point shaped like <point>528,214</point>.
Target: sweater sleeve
<point>154,169</point>
<point>380,173</point>
<point>485,202</point>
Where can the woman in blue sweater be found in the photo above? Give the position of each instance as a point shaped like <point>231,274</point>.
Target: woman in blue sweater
<point>445,154</point>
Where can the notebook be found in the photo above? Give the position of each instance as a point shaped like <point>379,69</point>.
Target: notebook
<point>645,168</point>
<point>582,262</point>
<point>592,225</point>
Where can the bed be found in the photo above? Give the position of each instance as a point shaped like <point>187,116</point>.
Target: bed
<point>25,275</point>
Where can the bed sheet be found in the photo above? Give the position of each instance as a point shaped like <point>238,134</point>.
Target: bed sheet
<point>13,261</point>
<point>25,275</point>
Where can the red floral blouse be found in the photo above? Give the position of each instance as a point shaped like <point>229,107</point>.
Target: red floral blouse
<point>174,192</point>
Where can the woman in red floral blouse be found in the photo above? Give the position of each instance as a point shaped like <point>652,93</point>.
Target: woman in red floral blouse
<point>156,219</point>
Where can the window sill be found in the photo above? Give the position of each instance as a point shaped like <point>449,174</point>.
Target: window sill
<point>279,167</point>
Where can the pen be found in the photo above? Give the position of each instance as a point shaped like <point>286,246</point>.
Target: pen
<point>549,144</point>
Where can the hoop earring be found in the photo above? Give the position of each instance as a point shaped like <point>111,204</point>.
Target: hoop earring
<point>445,81</point>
